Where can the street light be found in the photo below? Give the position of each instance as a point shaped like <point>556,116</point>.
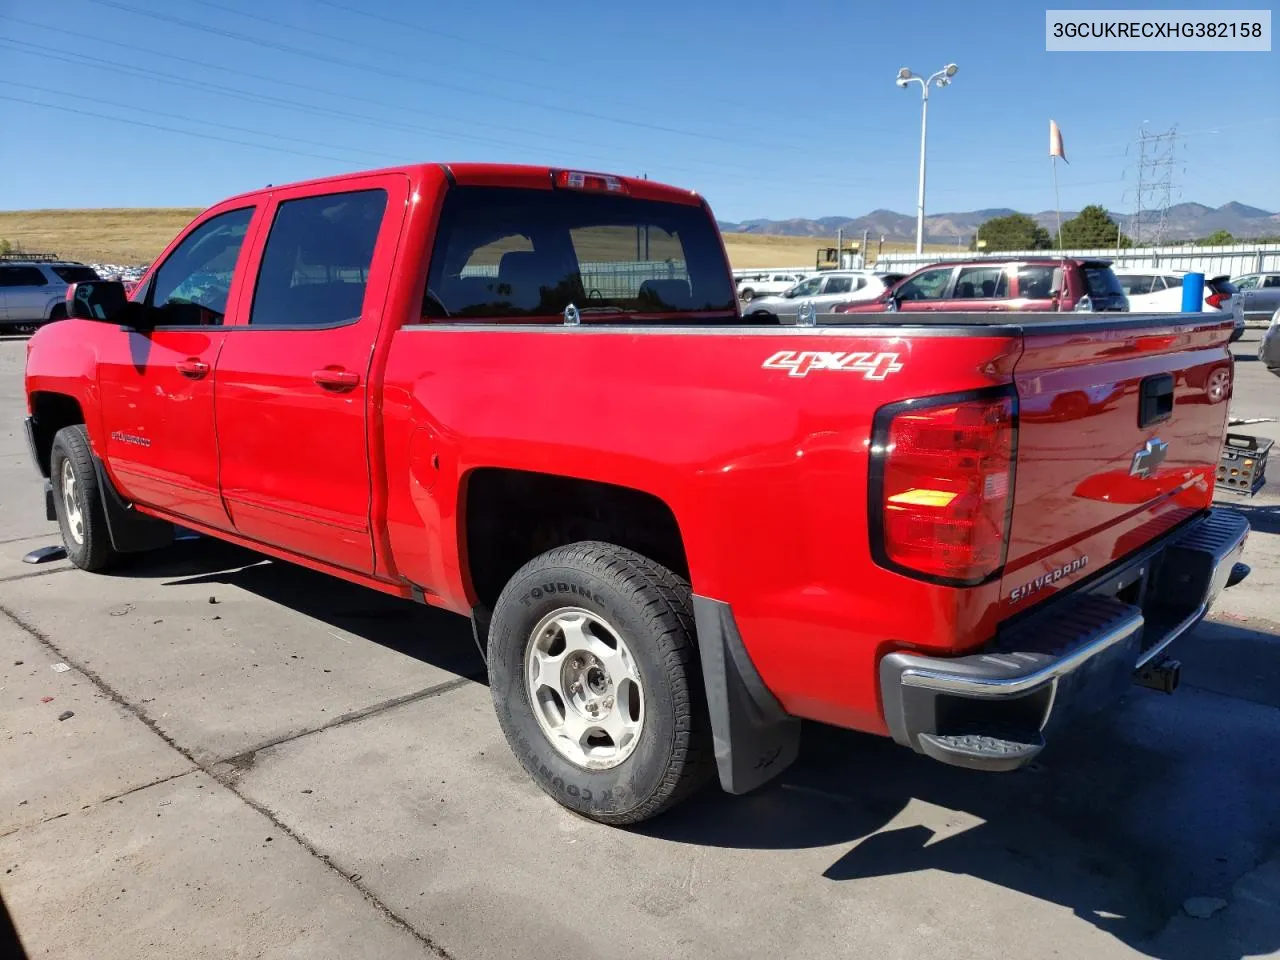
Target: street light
<point>940,79</point>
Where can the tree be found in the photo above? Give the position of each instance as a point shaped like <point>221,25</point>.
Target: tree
<point>1218,238</point>
<point>1017,231</point>
<point>1092,228</point>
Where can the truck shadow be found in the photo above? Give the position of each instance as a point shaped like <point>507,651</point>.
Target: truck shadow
<point>1140,808</point>
<point>1158,800</point>
<point>1263,518</point>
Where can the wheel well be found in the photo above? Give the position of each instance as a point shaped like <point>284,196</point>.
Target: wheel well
<point>51,412</point>
<point>513,516</point>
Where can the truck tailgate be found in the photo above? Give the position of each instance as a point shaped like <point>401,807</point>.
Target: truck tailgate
<point>1120,428</point>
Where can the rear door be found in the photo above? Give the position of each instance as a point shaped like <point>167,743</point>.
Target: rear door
<point>26,293</point>
<point>982,288</point>
<point>292,379</point>
<point>1267,297</point>
<point>1037,286</point>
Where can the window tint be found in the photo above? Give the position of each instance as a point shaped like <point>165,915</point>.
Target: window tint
<point>1172,282</point>
<point>1038,281</point>
<point>545,249</point>
<point>808,288</point>
<point>1272,281</point>
<point>316,261</point>
<point>21,277</point>
<point>981,283</point>
<point>1102,282</point>
<point>838,285</point>
<point>76,274</point>
<point>192,285</point>
<point>929,285</point>
<point>1135,285</point>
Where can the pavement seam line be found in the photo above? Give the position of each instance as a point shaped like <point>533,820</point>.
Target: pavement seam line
<point>426,693</point>
<point>227,782</point>
<point>97,803</point>
<point>35,573</point>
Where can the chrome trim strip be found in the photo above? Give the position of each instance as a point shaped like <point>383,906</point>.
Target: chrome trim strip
<point>996,687</point>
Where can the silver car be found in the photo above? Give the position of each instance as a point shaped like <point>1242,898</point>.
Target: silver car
<point>1259,294</point>
<point>33,290</point>
<point>1269,351</point>
<point>823,291</point>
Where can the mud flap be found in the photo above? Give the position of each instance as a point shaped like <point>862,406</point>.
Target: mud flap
<point>131,532</point>
<point>755,739</point>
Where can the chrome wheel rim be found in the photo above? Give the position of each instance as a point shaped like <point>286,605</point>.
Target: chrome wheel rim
<point>584,687</point>
<point>70,503</point>
<point>1218,382</point>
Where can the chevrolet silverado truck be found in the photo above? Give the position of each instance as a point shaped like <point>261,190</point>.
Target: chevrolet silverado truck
<point>528,396</point>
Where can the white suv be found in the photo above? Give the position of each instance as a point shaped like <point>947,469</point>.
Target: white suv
<point>33,289</point>
<point>823,291</point>
<point>765,283</point>
<point>1159,290</point>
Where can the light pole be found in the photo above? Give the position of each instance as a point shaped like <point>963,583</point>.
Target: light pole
<point>941,79</point>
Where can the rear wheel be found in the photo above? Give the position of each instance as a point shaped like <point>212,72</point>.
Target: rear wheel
<point>77,501</point>
<point>594,673</point>
<point>748,294</point>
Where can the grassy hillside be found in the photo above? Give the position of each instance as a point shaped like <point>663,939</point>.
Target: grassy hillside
<point>138,235</point>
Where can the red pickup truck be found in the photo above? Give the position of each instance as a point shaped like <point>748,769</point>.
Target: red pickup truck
<point>528,395</point>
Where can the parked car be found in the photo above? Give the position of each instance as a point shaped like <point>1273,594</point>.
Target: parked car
<point>33,290</point>
<point>1259,294</point>
<point>677,531</point>
<point>1269,351</point>
<point>1155,289</point>
<point>823,292</point>
<point>993,283</point>
<point>766,284</point>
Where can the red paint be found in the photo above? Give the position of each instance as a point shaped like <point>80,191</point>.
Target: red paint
<point>349,449</point>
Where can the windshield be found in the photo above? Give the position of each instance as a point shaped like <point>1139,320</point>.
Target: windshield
<point>1102,282</point>
<point>503,252</point>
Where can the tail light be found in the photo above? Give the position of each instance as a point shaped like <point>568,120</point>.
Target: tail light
<point>942,486</point>
<point>1216,300</point>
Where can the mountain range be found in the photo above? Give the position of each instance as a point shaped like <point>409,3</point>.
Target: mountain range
<point>1184,221</point>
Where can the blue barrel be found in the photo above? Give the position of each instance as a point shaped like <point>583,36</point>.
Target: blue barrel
<point>1192,292</point>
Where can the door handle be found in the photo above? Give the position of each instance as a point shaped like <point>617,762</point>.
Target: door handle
<point>331,378</point>
<point>193,369</point>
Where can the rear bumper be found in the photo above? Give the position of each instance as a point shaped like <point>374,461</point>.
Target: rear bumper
<point>992,710</point>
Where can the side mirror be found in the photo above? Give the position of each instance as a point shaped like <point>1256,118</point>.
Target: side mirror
<point>104,301</point>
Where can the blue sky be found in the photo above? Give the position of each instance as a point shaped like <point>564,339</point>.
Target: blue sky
<point>769,109</point>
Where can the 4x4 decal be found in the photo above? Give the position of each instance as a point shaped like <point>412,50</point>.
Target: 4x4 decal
<point>799,363</point>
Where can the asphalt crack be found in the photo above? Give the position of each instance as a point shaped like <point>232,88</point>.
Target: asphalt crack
<point>228,782</point>
<point>34,573</point>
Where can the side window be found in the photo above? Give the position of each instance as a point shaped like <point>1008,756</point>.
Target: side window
<point>22,277</point>
<point>1272,281</point>
<point>807,289</point>
<point>1172,283</point>
<point>1036,282</point>
<point>1247,283</point>
<point>929,285</point>
<point>192,285</point>
<point>838,285</point>
<point>1135,285</point>
<point>316,261</point>
<point>981,283</point>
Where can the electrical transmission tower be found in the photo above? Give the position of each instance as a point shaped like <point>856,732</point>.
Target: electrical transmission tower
<point>1153,196</point>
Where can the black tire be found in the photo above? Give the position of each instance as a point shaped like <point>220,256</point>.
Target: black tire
<point>748,295</point>
<point>93,550</point>
<point>652,610</point>
<point>59,312</point>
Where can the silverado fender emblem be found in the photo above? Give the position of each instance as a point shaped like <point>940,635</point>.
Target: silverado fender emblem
<point>798,363</point>
<point>1148,458</point>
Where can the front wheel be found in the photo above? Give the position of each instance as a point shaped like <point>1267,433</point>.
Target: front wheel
<point>593,668</point>
<point>77,501</point>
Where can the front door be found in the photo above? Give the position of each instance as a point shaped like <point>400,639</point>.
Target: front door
<point>292,379</point>
<point>926,291</point>
<point>26,293</point>
<point>157,384</point>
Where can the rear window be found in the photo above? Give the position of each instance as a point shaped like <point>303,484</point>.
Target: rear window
<point>1102,282</point>
<point>1134,285</point>
<point>76,274</point>
<point>512,253</point>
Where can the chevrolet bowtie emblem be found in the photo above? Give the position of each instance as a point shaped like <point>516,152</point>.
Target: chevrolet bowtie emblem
<point>1148,458</point>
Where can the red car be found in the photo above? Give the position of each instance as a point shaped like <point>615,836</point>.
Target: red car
<point>993,283</point>
<point>527,395</point>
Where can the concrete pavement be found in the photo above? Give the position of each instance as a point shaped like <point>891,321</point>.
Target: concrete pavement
<point>304,768</point>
